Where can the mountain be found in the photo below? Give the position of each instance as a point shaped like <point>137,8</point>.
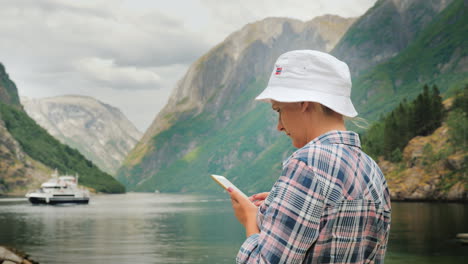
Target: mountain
<point>211,123</point>
<point>28,154</point>
<point>437,56</point>
<point>99,131</point>
<point>8,90</point>
<point>17,169</point>
<point>384,31</point>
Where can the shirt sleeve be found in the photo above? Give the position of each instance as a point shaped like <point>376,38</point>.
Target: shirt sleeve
<point>291,222</point>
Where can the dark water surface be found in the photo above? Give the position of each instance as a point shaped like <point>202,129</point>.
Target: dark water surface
<point>172,228</point>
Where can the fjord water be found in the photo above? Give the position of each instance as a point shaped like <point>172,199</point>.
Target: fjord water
<point>174,228</point>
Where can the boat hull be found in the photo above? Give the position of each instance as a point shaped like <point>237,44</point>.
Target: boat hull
<point>60,200</point>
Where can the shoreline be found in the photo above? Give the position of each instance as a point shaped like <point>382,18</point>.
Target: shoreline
<point>13,255</point>
<point>400,200</point>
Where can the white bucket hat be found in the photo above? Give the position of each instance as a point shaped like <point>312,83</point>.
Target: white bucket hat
<point>311,76</point>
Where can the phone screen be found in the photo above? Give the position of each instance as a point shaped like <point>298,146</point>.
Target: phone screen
<point>225,183</point>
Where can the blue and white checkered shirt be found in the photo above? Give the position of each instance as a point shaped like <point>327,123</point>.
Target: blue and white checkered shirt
<point>330,205</point>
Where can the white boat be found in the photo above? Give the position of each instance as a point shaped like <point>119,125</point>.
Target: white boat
<point>59,189</point>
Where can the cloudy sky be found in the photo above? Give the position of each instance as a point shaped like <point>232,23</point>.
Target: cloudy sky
<point>129,53</point>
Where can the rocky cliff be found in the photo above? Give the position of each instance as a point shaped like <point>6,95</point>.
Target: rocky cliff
<point>240,56</point>
<point>99,131</point>
<point>430,170</point>
<point>18,172</point>
<point>216,93</point>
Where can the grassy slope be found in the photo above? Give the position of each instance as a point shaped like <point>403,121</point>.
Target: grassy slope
<point>8,91</point>
<point>380,89</point>
<point>237,142</point>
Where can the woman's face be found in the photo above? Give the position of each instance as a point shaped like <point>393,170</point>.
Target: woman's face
<point>291,122</point>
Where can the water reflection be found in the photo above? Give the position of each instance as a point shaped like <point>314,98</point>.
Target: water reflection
<point>163,228</point>
<point>425,232</point>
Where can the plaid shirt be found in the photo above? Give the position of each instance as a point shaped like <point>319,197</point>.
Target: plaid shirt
<point>330,205</point>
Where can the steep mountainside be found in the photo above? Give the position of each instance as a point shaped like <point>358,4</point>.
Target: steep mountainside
<point>99,131</point>
<point>28,154</point>
<point>437,56</point>
<point>385,30</point>
<point>8,91</point>
<point>17,169</point>
<point>211,123</point>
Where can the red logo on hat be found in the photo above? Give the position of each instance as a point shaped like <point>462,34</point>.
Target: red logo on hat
<point>278,70</point>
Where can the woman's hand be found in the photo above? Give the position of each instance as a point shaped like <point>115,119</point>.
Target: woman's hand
<point>245,211</point>
<point>259,198</point>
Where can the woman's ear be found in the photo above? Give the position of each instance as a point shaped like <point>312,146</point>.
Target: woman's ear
<point>305,106</point>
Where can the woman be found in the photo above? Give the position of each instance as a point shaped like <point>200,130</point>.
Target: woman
<point>331,203</point>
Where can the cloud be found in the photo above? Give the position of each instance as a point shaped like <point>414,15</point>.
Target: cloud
<point>121,77</point>
<point>129,53</point>
<point>50,36</point>
<point>232,15</point>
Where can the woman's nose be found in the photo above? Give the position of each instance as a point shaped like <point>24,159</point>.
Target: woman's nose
<point>279,127</point>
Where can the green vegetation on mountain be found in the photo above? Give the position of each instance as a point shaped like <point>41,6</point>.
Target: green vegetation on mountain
<point>8,91</point>
<point>457,120</point>
<point>212,124</point>
<point>41,146</point>
<point>433,164</point>
<point>385,30</point>
<point>438,56</point>
<point>420,117</point>
<point>239,140</point>
<point>221,130</point>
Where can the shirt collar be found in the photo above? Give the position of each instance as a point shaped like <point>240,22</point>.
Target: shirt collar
<point>332,137</point>
<point>337,137</point>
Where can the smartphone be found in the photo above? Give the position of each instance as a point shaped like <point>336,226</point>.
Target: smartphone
<point>225,183</point>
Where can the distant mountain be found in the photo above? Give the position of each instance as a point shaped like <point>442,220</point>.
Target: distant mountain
<point>28,154</point>
<point>99,131</point>
<point>211,123</point>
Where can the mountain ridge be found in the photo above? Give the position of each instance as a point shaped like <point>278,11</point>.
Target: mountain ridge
<point>234,136</point>
<point>215,83</point>
<point>186,98</point>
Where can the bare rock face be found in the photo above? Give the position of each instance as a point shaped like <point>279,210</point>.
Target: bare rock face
<point>99,131</point>
<point>423,173</point>
<point>18,172</point>
<point>222,75</point>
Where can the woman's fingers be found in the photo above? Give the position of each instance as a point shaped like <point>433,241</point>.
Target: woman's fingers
<point>260,196</point>
<point>258,203</point>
